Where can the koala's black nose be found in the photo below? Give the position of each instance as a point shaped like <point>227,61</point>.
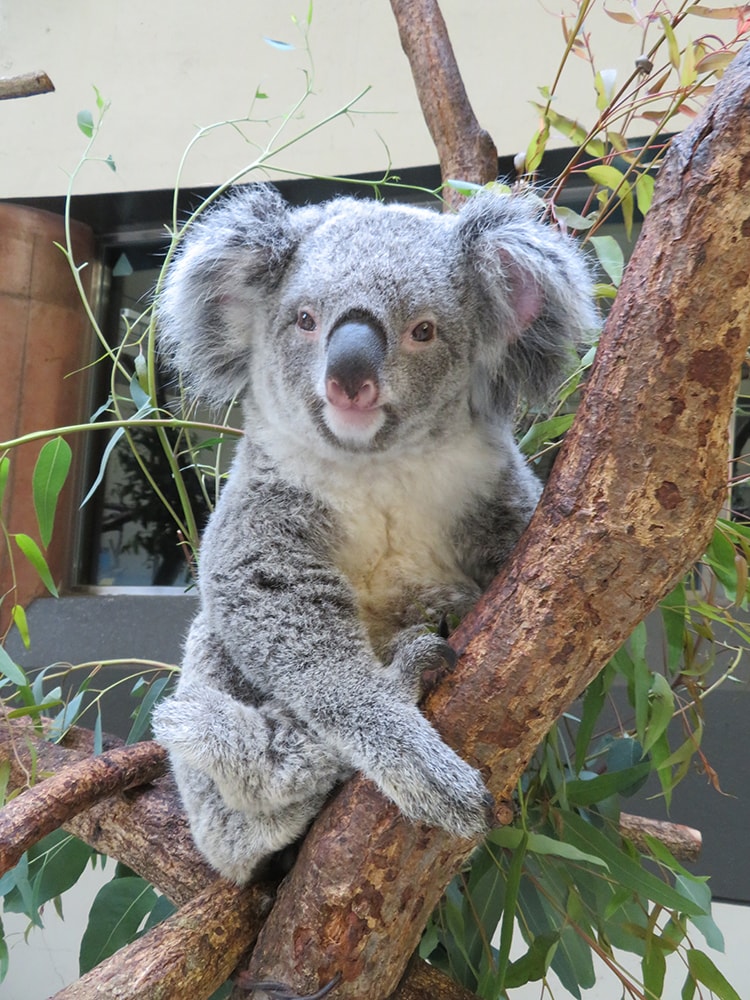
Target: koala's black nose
<point>355,353</point>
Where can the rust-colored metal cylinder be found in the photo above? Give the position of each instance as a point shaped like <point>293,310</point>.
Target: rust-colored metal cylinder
<point>45,341</point>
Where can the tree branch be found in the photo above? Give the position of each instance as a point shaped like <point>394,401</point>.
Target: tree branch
<point>26,85</point>
<point>190,954</point>
<point>45,807</point>
<point>466,151</point>
<point>629,507</point>
<point>684,842</point>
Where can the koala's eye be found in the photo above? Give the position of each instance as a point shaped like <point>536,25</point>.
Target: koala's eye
<point>306,321</point>
<point>423,332</point>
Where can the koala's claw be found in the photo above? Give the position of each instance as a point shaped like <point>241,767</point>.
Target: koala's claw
<point>280,991</point>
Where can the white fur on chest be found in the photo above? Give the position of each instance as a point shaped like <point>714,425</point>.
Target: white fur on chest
<point>397,514</point>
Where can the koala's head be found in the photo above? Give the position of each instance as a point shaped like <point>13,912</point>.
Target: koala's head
<point>364,327</point>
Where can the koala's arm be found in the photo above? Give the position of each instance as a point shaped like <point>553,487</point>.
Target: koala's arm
<point>290,623</point>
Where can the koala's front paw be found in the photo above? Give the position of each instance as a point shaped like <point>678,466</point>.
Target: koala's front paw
<point>439,788</point>
<point>420,659</point>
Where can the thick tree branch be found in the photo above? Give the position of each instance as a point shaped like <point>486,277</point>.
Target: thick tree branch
<point>26,85</point>
<point>630,505</point>
<point>466,151</point>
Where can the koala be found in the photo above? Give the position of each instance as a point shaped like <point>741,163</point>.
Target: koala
<point>378,352</point>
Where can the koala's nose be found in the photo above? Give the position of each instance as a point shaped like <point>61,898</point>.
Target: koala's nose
<point>355,353</point>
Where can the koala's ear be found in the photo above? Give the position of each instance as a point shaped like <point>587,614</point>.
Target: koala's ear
<point>219,289</point>
<point>537,298</point>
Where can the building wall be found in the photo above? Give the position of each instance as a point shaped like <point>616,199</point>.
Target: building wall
<point>169,66</point>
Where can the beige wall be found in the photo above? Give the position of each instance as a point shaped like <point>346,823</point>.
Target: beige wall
<point>169,65</point>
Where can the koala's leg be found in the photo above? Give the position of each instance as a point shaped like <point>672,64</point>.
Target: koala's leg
<point>234,842</point>
<point>260,759</point>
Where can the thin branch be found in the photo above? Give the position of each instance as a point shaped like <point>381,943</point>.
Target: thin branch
<point>26,85</point>
<point>684,842</point>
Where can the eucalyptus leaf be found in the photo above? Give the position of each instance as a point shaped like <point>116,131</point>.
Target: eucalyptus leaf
<point>11,670</point>
<point>50,472</point>
<point>704,971</point>
<point>33,553</point>
<point>85,122</point>
<point>4,471</point>
<point>625,870</point>
<point>114,919</point>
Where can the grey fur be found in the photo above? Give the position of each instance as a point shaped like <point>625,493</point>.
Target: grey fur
<point>342,531</point>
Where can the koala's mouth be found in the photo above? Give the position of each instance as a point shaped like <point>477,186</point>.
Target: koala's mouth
<point>353,424</point>
<point>354,429</point>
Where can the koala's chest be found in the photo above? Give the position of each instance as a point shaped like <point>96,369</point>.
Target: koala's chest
<point>398,530</point>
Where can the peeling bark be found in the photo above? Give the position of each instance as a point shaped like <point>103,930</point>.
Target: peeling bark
<point>188,955</point>
<point>630,505</point>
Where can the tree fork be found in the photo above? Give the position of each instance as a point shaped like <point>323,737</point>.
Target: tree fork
<point>617,508</point>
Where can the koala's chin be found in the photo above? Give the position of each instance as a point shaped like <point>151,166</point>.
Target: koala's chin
<point>352,426</point>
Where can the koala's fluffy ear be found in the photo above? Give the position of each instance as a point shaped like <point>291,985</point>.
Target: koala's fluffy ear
<point>219,288</point>
<point>537,298</point>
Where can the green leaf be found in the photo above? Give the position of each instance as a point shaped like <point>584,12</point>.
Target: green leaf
<point>86,123</point>
<point>142,715</point>
<point>644,192</point>
<point>610,256</point>
<point>704,971</point>
<point>672,610</point>
<point>673,47</point>
<point>4,470</point>
<point>545,430</point>
<point>50,473</point>
<point>115,916</point>
<point>511,837</point>
<point>56,863</point>
<point>661,710</point>
<point>593,703</point>
<point>604,84</point>
<point>532,966</point>
<point>624,870</point>
<point>19,620</point>
<point>4,958</point>
<point>654,969</point>
<point>4,778</point>
<point>33,553</point>
<point>509,913</point>
<point>467,188</point>
<point>698,890</point>
<point>11,670</point>
<point>536,148</point>
<point>111,444</point>
<point>627,781</point>
<point>572,219</point>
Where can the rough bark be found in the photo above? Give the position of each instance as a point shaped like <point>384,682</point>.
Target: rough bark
<point>143,828</point>
<point>45,807</point>
<point>465,150</point>
<point>26,85</point>
<point>629,507</point>
<point>188,955</point>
